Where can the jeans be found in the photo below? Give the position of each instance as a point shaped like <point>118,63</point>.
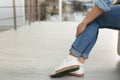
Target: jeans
<point>84,43</point>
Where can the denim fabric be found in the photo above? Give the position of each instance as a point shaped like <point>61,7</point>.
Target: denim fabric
<point>105,5</point>
<point>84,43</point>
<point>110,19</point>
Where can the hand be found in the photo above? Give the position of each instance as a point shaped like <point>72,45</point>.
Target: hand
<point>94,13</point>
<point>81,27</point>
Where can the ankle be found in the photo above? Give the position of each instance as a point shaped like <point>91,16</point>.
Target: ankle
<point>81,60</point>
<point>71,54</point>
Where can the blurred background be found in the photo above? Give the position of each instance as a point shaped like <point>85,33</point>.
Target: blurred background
<point>20,12</point>
<point>7,14</point>
<point>75,10</point>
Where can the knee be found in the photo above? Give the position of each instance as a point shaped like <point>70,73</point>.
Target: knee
<point>92,28</point>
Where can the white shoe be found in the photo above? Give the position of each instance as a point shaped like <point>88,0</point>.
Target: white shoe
<point>78,73</point>
<point>70,64</point>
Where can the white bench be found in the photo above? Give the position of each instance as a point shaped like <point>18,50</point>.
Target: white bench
<point>118,43</point>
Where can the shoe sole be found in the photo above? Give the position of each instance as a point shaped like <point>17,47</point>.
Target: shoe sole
<point>76,75</point>
<point>64,71</point>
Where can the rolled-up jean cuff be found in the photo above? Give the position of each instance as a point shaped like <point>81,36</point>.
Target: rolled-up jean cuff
<point>85,55</point>
<point>78,54</point>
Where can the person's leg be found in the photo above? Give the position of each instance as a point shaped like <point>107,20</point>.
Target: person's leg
<point>88,49</point>
<point>110,19</point>
<point>83,45</point>
<point>85,41</point>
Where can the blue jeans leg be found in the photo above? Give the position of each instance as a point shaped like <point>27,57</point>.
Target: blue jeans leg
<point>110,19</point>
<point>89,47</point>
<point>85,41</point>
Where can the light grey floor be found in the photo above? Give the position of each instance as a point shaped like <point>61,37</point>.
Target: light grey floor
<point>31,52</point>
